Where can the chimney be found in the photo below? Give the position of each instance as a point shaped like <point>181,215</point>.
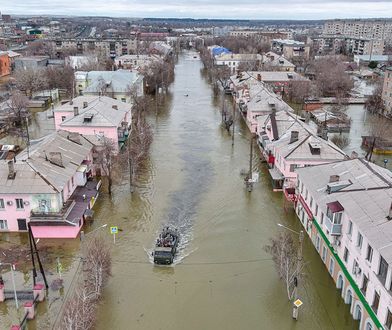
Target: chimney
<point>259,77</point>
<point>71,102</point>
<point>85,104</point>
<point>11,170</point>
<point>76,111</point>
<point>294,136</point>
<point>334,178</point>
<point>389,217</point>
<point>354,155</point>
<point>115,107</point>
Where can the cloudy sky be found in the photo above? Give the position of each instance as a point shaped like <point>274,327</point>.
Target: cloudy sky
<point>246,9</point>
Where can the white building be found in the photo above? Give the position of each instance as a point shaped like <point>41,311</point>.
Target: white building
<point>345,208</point>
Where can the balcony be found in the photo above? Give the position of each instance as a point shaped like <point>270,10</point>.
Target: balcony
<point>333,228</point>
<point>73,211</point>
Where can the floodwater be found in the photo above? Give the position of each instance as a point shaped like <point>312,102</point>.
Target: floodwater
<point>222,278</point>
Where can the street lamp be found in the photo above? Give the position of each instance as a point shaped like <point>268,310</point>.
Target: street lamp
<point>13,280</point>
<point>299,261</point>
<point>83,235</point>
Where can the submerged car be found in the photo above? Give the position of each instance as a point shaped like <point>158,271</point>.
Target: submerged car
<point>166,247</point>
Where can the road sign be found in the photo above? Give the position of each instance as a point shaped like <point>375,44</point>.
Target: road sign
<point>298,303</point>
<point>114,230</point>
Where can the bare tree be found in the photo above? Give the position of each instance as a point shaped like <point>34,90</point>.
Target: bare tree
<point>31,80</point>
<point>17,109</point>
<point>97,266</point>
<point>298,91</point>
<point>375,104</point>
<point>342,141</point>
<point>106,160</point>
<point>158,74</point>
<point>80,309</point>
<point>331,78</point>
<point>379,132</point>
<point>284,254</point>
<point>62,78</point>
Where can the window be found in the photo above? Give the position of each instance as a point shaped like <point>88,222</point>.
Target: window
<point>19,203</point>
<point>356,269</point>
<point>3,225</point>
<point>123,99</point>
<point>322,218</point>
<point>22,224</point>
<point>382,271</point>
<point>345,255</point>
<point>2,203</point>
<point>369,253</point>
<point>324,256</point>
<point>376,301</point>
<point>318,243</point>
<point>364,284</point>
<point>316,211</point>
<point>72,181</point>
<point>311,202</point>
<point>331,265</point>
<point>63,118</point>
<point>350,228</point>
<point>388,322</point>
<point>359,240</point>
<point>292,167</point>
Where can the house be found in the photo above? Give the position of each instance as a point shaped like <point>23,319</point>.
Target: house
<point>233,61</point>
<point>115,84</point>
<point>5,64</point>
<point>274,62</point>
<point>31,62</point>
<point>95,117</point>
<point>279,81</point>
<point>288,143</point>
<point>345,208</point>
<point>48,186</point>
<point>76,62</point>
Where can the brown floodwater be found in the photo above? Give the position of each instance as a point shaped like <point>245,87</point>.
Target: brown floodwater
<point>222,278</point>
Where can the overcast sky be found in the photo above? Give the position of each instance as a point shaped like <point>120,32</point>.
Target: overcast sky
<point>246,9</point>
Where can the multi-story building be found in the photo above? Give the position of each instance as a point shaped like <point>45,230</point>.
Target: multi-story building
<point>345,208</point>
<point>387,92</point>
<point>338,44</point>
<point>48,186</point>
<point>105,47</point>
<point>290,48</point>
<point>263,35</point>
<point>360,28</point>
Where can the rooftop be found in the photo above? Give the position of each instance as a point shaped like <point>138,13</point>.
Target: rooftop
<point>366,200</point>
<point>101,111</point>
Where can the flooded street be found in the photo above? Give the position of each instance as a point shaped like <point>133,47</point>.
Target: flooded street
<point>222,278</point>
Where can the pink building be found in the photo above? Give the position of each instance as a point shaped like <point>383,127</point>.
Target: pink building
<point>288,143</point>
<point>95,117</point>
<point>49,187</point>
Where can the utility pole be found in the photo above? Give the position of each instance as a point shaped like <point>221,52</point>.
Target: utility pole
<point>299,265</point>
<point>249,182</point>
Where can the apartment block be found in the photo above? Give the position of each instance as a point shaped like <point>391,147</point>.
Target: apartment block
<point>360,28</point>
<point>346,209</point>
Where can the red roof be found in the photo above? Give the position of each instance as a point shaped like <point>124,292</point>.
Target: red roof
<point>335,207</point>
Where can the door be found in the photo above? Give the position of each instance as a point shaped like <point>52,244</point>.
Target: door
<point>22,225</point>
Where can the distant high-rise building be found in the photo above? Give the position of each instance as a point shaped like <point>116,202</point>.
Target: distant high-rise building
<point>360,28</point>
